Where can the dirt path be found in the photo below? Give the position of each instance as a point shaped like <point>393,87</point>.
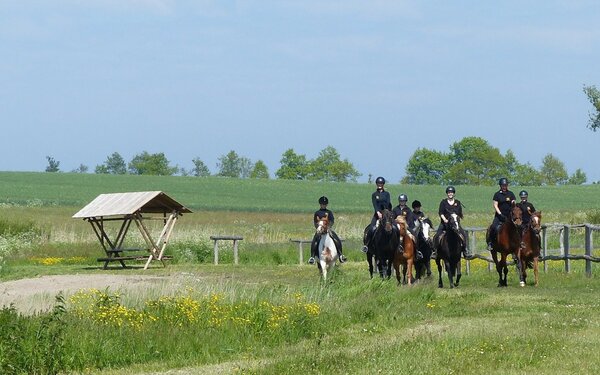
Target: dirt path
<point>37,294</point>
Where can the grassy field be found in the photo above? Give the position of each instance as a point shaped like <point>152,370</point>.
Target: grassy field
<point>269,315</point>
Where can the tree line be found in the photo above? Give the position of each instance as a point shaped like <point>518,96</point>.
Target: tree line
<point>470,161</point>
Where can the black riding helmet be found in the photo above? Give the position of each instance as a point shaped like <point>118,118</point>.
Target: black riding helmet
<point>503,181</point>
<point>450,189</point>
<point>380,180</point>
<point>416,204</point>
<point>323,200</point>
<point>523,194</point>
<point>402,198</point>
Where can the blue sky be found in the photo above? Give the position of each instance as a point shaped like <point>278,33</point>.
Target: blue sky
<point>377,79</point>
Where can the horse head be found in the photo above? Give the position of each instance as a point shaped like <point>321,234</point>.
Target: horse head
<point>426,228</point>
<point>323,224</point>
<point>516,215</point>
<point>536,221</point>
<point>387,221</point>
<point>401,220</point>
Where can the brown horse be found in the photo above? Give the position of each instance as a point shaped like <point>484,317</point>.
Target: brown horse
<point>508,241</point>
<point>530,247</point>
<point>405,258</point>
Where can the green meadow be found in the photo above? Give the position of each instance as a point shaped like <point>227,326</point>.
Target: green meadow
<point>268,314</point>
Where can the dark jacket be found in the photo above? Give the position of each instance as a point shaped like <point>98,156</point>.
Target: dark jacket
<point>527,209</point>
<point>448,209</point>
<point>381,200</point>
<point>407,213</point>
<point>504,200</point>
<point>320,213</point>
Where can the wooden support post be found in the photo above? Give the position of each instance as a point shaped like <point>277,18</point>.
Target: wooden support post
<point>235,240</point>
<point>566,248</point>
<point>588,250</point>
<point>216,251</point>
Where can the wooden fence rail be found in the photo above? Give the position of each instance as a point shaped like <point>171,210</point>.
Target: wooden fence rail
<point>564,232</point>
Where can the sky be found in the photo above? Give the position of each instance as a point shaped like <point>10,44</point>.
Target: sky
<point>80,80</point>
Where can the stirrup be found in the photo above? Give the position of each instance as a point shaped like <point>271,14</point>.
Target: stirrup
<point>365,249</point>
<point>342,258</point>
<point>419,255</point>
<point>311,260</point>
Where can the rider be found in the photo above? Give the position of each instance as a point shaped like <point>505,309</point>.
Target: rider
<point>527,209</point>
<point>448,206</point>
<point>502,202</point>
<point>402,210</point>
<point>314,246</point>
<point>381,200</point>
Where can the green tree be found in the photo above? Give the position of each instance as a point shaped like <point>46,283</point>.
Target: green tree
<point>81,169</point>
<point>229,165</point>
<point>594,97</point>
<point>260,170</point>
<point>475,162</point>
<point>114,164</point>
<point>200,169</point>
<point>328,166</point>
<point>246,167</point>
<point>577,178</point>
<point>426,167</point>
<point>293,166</point>
<point>525,175</point>
<point>53,165</point>
<point>553,171</point>
<point>151,164</point>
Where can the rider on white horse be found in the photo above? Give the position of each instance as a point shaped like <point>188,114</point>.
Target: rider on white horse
<point>314,246</point>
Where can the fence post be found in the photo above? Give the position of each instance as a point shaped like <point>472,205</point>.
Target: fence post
<point>566,248</point>
<point>300,253</point>
<point>216,251</point>
<point>235,251</point>
<point>470,239</point>
<point>544,248</point>
<point>588,250</point>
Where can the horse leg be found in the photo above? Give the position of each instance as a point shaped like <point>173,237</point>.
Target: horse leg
<point>397,269</point>
<point>450,272</point>
<point>535,270</point>
<point>409,266</point>
<point>498,266</point>
<point>439,267</point>
<point>370,262</point>
<point>458,273</point>
<point>504,280</point>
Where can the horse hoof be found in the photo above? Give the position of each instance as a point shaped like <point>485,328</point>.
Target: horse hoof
<point>522,283</point>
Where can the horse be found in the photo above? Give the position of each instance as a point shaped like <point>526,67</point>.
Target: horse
<point>385,241</point>
<point>328,253</point>
<point>425,245</point>
<point>406,258</point>
<point>530,247</point>
<point>508,242</point>
<point>449,249</point>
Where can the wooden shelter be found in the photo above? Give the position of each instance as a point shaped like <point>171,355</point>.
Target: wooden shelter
<point>125,208</point>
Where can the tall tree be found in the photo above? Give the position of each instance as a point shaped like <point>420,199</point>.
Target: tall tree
<point>229,165</point>
<point>53,165</point>
<point>553,171</point>
<point>81,169</point>
<point>577,178</point>
<point>328,166</point>
<point>426,167</point>
<point>246,167</point>
<point>260,170</point>
<point>475,162</point>
<point>525,175</point>
<point>200,169</point>
<point>594,97</point>
<point>151,164</point>
<point>114,164</point>
<point>293,166</point>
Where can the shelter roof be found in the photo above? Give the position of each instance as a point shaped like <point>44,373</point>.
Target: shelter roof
<point>120,204</point>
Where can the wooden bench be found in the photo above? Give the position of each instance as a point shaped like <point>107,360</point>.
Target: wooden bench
<point>235,240</point>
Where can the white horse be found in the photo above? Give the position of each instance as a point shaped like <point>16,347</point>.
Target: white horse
<point>328,253</point>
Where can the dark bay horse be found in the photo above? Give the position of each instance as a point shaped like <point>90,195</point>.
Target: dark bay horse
<point>530,247</point>
<point>406,258</point>
<point>508,241</point>
<point>425,245</point>
<point>370,252</point>
<point>385,241</point>
<point>449,249</point>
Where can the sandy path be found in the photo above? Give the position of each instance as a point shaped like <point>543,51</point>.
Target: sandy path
<point>35,294</point>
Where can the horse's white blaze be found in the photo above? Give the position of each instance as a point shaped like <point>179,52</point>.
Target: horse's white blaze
<point>455,217</point>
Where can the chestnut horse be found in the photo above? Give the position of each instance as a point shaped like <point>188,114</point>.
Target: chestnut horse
<point>449,247</point>
<point>328,253</point>
<point>507,241</point>
<point>530,247</point>
<point>385,241</point>
<point>406,258</point>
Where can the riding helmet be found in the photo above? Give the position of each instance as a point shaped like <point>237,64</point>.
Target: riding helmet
<point>523,194</point>
<point>416,204</point>
<point>380,180</point>
<point>402,198</point>
<point>450,189</point>
<point>503,181</point>
<point>323,200</point>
